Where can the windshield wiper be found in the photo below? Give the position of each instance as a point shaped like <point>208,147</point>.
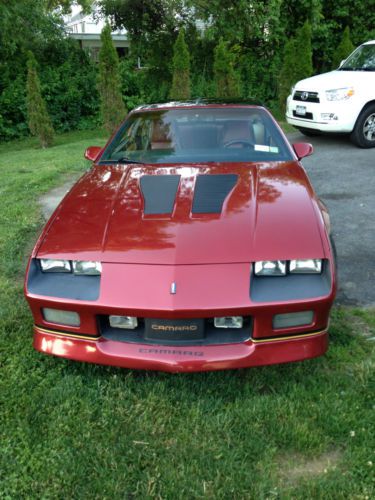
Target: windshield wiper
<point>126,159</point>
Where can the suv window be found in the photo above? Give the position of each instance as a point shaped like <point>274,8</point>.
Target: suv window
<point>362,59</point>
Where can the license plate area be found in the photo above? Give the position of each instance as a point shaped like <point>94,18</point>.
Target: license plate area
<point>176,329</point>
<point>301,110</point>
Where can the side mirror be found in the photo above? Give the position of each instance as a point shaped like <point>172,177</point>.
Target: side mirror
<point>92,153</point>
<point>342,62</point>
<point>303,149</point>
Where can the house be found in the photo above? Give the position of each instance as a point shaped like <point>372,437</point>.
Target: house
<point>86,29</point>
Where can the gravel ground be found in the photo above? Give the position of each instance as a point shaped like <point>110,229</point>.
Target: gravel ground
<point>344,178</point>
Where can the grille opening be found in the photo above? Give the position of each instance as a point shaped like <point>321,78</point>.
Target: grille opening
<point>306,96</point>
<point>210,335</point>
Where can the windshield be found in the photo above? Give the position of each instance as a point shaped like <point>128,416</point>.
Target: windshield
<point>362,59</point>
<point>198,135</point>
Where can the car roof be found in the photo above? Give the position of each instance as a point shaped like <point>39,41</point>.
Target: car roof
<point>201,103</point>
<point>370,42</point>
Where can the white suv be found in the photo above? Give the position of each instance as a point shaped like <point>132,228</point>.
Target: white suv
<point>339,101</point>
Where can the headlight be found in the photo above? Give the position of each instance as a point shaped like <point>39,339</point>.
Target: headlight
<point>87,267</point>
<point>55,266</point>
<point>306,266</point>
<point>270,268</point>
<point>281,267</point>
<point>339,94</point>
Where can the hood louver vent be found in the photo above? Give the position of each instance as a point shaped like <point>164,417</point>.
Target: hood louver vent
<point>211,192</point>
<point>159,193</point>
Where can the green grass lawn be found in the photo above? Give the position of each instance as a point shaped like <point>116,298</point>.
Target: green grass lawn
<point>72,430</point>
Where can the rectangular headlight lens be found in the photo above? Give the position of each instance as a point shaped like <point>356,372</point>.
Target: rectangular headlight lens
<point>306,266</point>
<point>67,318</point>
<point>127,322</point>
<point>55,266</point>
<point>303,318</point>
<point>229,322</point>
<point>87,267</point>
<point>270,268</point>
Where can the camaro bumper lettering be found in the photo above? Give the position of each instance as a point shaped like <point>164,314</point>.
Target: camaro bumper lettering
<point>171,351</point>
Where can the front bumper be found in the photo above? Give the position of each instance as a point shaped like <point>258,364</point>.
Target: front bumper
<point>345,114</point>
<point>182,359</point>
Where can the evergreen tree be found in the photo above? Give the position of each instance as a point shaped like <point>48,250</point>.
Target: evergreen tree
<point>344,48</point>
<point>181,69</point>
<point>287,73</point>
<point>111,104</point>
<point>297,62</point>
<point>303,53</point>
<point>226,79</point>
<point>39,121</point>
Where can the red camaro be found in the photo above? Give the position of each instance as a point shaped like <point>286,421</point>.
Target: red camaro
<point>195,242</point>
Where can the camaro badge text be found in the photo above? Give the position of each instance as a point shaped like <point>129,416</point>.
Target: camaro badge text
<point>173,288</point>
<point>177,328</point>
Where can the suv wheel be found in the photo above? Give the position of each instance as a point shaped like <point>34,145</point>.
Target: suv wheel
<point>363,134</point>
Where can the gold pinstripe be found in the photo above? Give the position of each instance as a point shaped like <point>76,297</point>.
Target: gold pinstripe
<point>290,337</point>
<point>65,334</point>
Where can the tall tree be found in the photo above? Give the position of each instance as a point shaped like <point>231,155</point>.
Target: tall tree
<point>344,48</point>
<point>287,73</point>
<point>297,62</point>
<point>111,104</point>
<point>181,69</point>
<point>226,79</point>
<point>38,119</point>
<point>303,56</point>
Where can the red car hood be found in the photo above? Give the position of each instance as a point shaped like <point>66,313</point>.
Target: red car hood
<point>270,213</point>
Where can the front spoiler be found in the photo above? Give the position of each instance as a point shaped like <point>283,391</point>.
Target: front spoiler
<point>182,359</point>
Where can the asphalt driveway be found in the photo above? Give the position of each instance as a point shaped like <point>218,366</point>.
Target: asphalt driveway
<point>344,178</point>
